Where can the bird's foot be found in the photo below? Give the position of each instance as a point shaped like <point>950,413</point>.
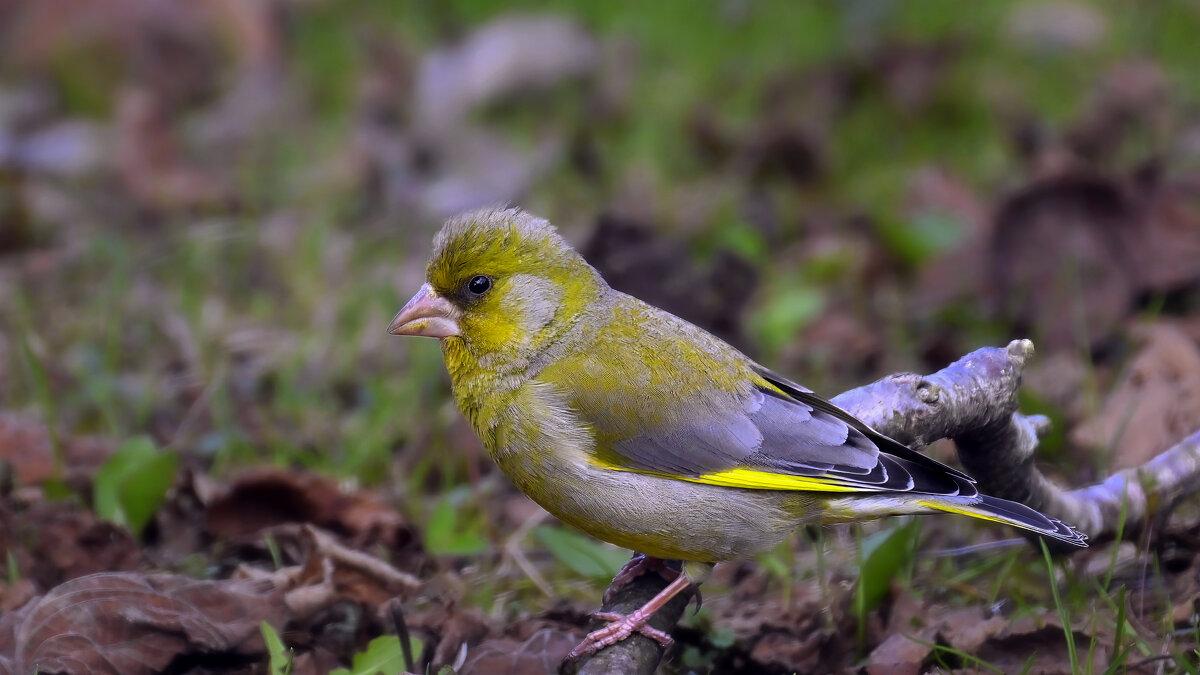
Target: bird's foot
<point>637,566</point>
<point>621,627</point>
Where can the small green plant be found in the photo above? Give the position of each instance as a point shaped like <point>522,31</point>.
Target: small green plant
<point>778,564</point>
<point>279,656</point>
<point>132,484</point>
<point>794,306</point>
<point>583,555</point>
<point>919,239</point>
<point>451,530</point>
<point>383,656</point>
<point>1063,613</point>
<point>881,557</point>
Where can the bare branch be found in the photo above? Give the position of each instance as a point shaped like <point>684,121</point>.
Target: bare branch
<point>1150,490</point>
<point>974,401</point>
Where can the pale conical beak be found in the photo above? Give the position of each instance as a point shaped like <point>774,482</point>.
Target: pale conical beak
<point>427,314</point>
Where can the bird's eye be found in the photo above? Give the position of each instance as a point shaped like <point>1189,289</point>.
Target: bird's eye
<point>479,284</point>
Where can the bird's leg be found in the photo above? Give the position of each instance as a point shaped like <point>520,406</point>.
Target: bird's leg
<point>638,565</point>
<point>623,626</point>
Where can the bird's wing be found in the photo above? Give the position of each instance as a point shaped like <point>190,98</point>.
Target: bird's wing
<point>784,437</point>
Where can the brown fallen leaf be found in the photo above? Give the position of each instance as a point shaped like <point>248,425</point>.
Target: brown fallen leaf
<point>26,445</point>
<point>900,654</point>
<point>130,623</point>
<point>966,629</point>
<point>450,628</point>
<point>1069,256</point>
<point>16,594</point>
<point>271,497</point>
<point>812,633</point>
<point>806,652</point>
<point>542,652</point>
<point>1171,235</point>
<point>56,541</point>
<point>1060,258</point>
<point>1038,645</point>
<point>1156,402</point>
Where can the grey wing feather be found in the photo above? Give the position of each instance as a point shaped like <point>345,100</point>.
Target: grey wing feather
<point>797,433</point>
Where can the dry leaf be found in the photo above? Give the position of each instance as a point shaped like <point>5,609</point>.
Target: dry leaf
<point>65,540</point>
<point>1156,402</point>
<point>271,497</point>
<point>543,652</point>
<point>900,654</point>
<point>129,623</point>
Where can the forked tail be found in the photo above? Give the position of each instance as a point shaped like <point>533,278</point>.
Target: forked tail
<point>1010,513</point>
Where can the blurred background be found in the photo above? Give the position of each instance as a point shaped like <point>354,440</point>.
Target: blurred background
<point>210,211</point>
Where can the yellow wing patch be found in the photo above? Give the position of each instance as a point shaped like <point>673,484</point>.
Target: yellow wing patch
<point>753,479</point>
<point>765,480</point>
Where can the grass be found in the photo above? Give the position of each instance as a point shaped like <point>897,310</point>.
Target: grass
<point>1064,614</point>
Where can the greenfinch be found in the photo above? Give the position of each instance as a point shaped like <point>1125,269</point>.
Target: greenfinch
<point>643,430</point>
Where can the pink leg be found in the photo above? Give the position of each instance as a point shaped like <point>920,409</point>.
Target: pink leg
<point>637,566</point>
<point>624,626</point>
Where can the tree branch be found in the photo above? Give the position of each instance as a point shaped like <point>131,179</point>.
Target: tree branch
<point>972,401</point>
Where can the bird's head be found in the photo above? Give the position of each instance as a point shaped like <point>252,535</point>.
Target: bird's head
<point>501,281</point>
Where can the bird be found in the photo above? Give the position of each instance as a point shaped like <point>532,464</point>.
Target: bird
<point>643,430</point>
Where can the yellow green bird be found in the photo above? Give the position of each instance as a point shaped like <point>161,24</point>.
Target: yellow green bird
<point>643,430</point>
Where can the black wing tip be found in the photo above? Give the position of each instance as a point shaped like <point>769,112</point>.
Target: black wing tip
<point>1036,522</point>
<point>1068,534</point>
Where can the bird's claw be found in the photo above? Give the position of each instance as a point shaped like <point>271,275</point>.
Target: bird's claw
<point>620,627</point>
<point>637,566</point>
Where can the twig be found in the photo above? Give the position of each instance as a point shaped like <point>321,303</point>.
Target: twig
<point>326,545</point>
<point>974,402</point>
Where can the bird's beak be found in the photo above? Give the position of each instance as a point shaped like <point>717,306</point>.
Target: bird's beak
<point>427,314</point>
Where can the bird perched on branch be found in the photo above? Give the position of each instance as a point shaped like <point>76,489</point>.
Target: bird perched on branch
<point>645,431</point>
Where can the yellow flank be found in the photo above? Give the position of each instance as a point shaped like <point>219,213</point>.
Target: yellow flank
<point>752,479</point>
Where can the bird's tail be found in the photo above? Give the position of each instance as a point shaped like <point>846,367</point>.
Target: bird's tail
<point>1010,513</point>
